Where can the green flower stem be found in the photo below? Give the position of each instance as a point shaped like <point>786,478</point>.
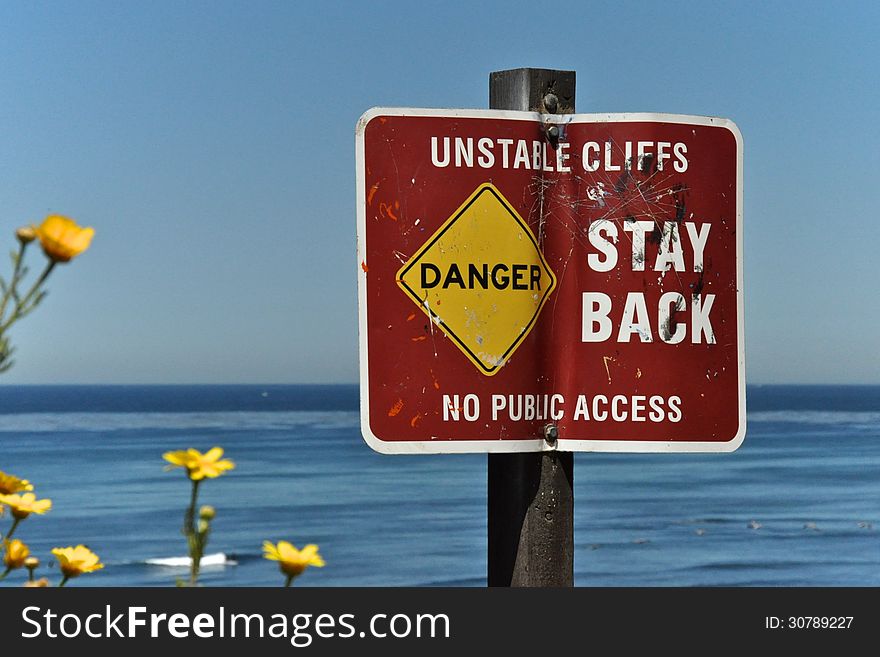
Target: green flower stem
<point>196,545</point>
<point>63,581</point>
<point>21,305</point>
<point>13,282</point>
<point>189,519</point>
<point>15,522</point>
<point>5,573</point>
<point>289,581</point>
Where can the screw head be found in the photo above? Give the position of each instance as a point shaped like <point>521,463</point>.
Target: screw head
<point>553,132</point>
<point>551,103</point>
<point>551,433</point>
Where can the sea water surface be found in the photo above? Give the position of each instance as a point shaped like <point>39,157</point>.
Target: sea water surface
<point>797,505</point>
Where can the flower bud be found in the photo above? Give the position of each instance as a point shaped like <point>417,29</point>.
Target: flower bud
<point>31,563</point>
<point>26,234</point>
<point>204,526</point>
<point>37,584</point>
<point>207,512</point>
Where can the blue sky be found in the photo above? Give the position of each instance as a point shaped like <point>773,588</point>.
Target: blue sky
<point>211,145</point>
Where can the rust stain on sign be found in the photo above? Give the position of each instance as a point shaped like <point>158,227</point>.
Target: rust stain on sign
<point>372,193</point>
<point>386,209</point>
<point>394,410</point>
<point>606,360</point>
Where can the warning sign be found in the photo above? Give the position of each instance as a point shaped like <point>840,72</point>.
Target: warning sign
<point>481,278</point>
<point>588,277</point>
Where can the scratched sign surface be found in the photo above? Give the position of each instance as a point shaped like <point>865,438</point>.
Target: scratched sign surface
<point>509,281</point>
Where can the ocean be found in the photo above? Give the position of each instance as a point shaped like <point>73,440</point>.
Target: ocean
<point>797,505</point>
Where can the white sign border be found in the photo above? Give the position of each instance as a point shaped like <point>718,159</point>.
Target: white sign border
<point>463,446</point>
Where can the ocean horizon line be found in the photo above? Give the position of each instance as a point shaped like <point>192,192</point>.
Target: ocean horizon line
<point>207,398</point>
<point>354,384</point>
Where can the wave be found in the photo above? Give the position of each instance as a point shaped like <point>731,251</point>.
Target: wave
<point>817,417</point>
<point>217,560</point>
<point>226,420</point>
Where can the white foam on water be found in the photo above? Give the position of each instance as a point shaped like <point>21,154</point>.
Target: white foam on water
<point>219,560</point>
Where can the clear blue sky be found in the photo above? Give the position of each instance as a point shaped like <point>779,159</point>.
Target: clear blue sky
<point>211,145</point>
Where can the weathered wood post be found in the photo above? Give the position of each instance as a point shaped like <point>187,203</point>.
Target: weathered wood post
<point>530,499</point>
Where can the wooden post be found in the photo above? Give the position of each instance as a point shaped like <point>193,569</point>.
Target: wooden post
<point>530,500</point>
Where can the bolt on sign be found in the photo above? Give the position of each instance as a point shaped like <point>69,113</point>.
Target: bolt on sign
<point>512,277</point>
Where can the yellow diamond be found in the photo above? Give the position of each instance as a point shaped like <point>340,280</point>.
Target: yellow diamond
<point>481,278</point>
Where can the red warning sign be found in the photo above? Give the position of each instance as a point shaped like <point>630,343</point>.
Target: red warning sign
<point>510,279</point>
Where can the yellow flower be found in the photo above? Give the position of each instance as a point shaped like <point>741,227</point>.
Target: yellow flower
<point>37,583</point>
<point>16,554</point>
<point>24,505</point>
<point>62,238</point>
<point>74,561</point>
<point>199,466</point>
<point>292,561</point>
<point>12,484</point>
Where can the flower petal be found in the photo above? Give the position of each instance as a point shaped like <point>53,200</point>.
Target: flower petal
<point>179,458</point>
<point>270,551</point>
<point>213,454</point>
<point>41,506</point>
